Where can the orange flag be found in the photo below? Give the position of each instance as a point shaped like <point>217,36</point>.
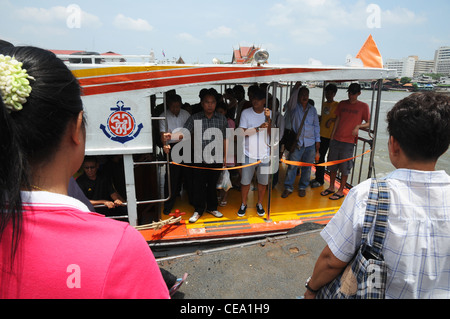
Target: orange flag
<point>370,55</point>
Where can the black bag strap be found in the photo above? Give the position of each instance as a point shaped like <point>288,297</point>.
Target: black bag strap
<point>377,210</point>
<point>300,129</point>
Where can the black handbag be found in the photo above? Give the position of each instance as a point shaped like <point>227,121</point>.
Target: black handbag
<point>290,138</point>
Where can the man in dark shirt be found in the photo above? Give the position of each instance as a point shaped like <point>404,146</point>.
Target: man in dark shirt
<point>99,188</point>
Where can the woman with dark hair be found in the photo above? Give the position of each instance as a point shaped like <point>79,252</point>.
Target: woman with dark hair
<point>51,245</point>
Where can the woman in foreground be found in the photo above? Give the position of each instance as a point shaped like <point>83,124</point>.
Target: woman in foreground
<point>51,245</point>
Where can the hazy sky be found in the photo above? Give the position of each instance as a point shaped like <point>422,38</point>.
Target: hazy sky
<point>293,31</point>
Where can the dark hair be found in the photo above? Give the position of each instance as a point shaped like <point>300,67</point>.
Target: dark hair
<point>303,89</point>
<point>209,92</point>
<point>174,98</point>
<point>259,94</point>
<point>421,125</point>
<point>221,105</point>
<point>331,87</point>
<point>90,159</point>
<point>32,136</point>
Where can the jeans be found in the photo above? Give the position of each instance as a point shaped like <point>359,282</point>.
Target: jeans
<point>305,155</point>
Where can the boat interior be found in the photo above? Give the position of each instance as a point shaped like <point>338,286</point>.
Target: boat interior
<point>283,215</point>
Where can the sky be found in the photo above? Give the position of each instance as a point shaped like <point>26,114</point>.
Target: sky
<point>292,31</point>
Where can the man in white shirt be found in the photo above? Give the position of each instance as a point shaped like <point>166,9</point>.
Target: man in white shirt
<point>416,248</point>
<point>176,117</point>
<point>256,122</point>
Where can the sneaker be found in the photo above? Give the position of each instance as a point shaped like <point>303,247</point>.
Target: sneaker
<point>301,193</point>
<point>215,213</point>
<point>315,184</point>
<point>286,193</point>
<point>242,210</point>
<point>194,217</point>
<point>260,210</point>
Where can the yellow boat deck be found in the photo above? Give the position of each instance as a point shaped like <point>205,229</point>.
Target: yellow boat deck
<point>285,214</point>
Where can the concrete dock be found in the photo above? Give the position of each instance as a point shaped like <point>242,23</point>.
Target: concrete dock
<point>271,268</point>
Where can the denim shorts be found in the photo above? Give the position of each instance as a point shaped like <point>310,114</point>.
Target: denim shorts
<point>262,172</point>
<point>339,151</point>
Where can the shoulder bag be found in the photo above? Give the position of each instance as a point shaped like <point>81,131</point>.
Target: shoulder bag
<point>365,276</point>
<point>290,138</point>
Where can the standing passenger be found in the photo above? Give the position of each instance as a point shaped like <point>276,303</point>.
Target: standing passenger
<point>205,177</point>
<point>256,122</point>
<point>308,143</point>
<point>350,114</point>
<point>176,118</point>
<point>327,120</point>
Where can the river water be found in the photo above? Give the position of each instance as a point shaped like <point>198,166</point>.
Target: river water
<point>388,100</point>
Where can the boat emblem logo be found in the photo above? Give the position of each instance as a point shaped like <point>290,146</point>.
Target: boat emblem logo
<point>121,126</point>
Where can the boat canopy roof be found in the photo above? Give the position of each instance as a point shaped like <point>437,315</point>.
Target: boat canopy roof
<point>154,78</point>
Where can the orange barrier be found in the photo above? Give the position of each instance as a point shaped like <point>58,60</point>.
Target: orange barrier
<point>300,164</point>
<point>322,164</point>
<point>218,169</point>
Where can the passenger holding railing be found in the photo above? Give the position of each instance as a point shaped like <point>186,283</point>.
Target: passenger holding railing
<point>350,114</point>
<point>99,189</point>
<point>256,122</point>
<point>305,124</point>
<point>176,118</point>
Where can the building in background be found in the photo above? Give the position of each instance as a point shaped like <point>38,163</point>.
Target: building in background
<point>442,60</point>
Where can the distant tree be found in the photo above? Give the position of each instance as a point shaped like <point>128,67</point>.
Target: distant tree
<point>405,80</point>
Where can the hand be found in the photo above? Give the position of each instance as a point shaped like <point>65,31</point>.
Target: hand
<point>317,157</point>
<point>264,125</point>
<point>166,148</point>
<point>309,295</point>
<point>355,131</point>
<point>167,137</point>
<point>109,204</point>
<point>329,122</point>
<point>118,203</point>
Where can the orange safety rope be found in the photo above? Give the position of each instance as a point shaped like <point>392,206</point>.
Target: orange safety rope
<point>218,169</point>
<point>322,164</point>
<point>301,164</point>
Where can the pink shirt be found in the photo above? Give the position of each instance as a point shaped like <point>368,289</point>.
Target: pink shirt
<point>66,252</point>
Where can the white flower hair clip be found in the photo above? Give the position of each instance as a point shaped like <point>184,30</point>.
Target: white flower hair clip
<point>14,83</point>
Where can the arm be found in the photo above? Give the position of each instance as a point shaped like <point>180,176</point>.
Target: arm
<point>105,202</point>
<point>326,269</point>
<point>317,136</point>
<point>338,119</point>
<point>355,131</point>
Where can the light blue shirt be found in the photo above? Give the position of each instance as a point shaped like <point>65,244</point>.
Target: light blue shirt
<point>416,248</point>
<point>311,129</point>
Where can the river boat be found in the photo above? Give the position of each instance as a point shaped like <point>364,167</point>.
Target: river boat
<point>118,98</point>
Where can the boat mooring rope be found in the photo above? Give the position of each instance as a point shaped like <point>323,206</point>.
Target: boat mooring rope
<point>160,224</point>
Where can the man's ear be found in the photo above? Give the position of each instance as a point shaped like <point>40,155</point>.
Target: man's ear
<point>393,145</point>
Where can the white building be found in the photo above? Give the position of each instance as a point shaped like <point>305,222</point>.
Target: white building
<point>442,58</point>
<point>405,66</point>
<point>424,67</point>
